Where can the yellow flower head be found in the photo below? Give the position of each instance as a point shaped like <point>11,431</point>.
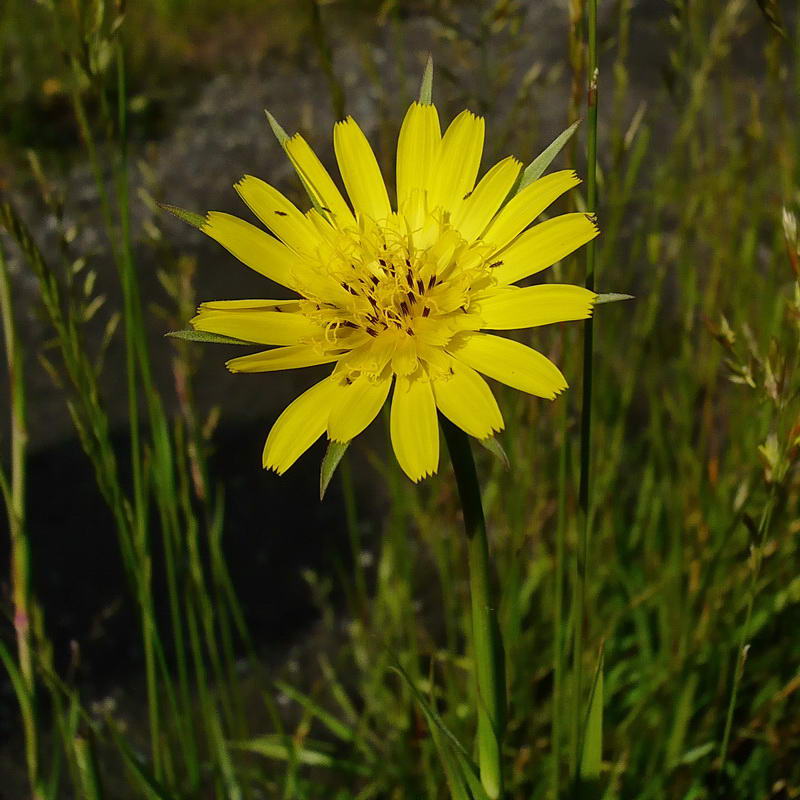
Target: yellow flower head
<point>400,297</point>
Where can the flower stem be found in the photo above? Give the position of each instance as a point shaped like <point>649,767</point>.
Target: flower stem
<point>584,491</point>
<point>487,644</point>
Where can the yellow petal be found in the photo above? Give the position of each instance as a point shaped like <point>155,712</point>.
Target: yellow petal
<point>414,427</point>
<point>466,400</point>
<point>291,357</point>
<point>314,175</point>
<point>509,362</point>
<point>360,171</point>
<point>238,305</point>
<point>524,207</point>
<point>417,151</point>
<point>300,425</point>
<point>503,309</point>
<point>373,355</point>
<point>280,215</point>
<point>356,406</point>
<point>260,326</point>
<point>478,209</point>
<point>543,245</point>
<point>404,360</point>
<point>458,162</point>
<point>254,247</point>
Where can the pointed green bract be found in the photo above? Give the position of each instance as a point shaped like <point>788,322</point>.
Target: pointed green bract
<point>280,133</point>
<point>496,449</point>
<point>612,297</point>
<point>205,336</point>
<point>426,87</point>
<point>190,217</point>
<point>333,455</point>
<point>536,168</point>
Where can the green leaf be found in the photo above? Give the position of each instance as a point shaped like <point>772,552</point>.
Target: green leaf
<point>612,297</point>
<point>337,728</point>
<point>330,462</point>
<point>280,133</point>
<point>680,722</point>
<point>204,336</point>
<point>460,771</point>
<point>88,771</point>
<point>195,220</point>
<point>591,752</point>
<point>497,450</point>
<point>282,748</point>
<point>536,168</point>
<point>426,87</point>
<point>152,788</point>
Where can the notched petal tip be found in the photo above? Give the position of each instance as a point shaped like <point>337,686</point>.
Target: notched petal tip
<point>420,478</point>
<point>243,179</point>
<point>592,217</point>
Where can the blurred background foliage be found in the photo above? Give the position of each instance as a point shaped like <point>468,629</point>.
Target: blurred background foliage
<point>178,624</point>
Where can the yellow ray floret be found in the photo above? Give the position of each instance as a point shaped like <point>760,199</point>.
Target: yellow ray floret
<point>397,298</point>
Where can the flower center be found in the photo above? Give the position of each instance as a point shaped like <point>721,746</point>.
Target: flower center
<point>397,290</point>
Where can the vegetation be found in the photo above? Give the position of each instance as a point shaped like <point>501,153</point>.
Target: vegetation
<point>648,585</point>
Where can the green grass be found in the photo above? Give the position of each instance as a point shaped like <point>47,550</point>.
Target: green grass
<point>688,583</point>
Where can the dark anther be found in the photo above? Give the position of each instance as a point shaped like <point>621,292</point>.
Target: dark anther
<point>374,279</point>
<point>426,311</point>
<point>348,324</point>
<point>408,262</point>
<point>281,213</point>
<point>495,264</point>
<point>404,307</point>
<point>420,285</point>
<point>431,281</point>
<point>371,332</point>
<point>411,297</point>
<point>382,262</point>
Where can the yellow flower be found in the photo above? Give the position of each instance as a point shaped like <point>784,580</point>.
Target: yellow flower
<point>400,297</point>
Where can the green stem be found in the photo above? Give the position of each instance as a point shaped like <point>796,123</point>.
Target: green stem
<point>487,644</point>
<point>584,491</point>
<point>558,611</point>
<point>741,650</point>
<point>14,495</point>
